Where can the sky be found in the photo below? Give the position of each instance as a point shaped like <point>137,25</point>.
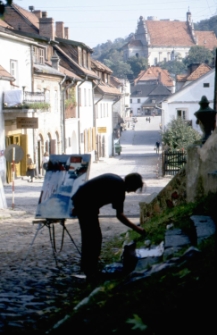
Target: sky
<point>94,22</point>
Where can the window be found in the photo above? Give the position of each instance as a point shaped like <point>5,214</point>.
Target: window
<point>14,70</point>
<point>205,84</point>
<point>181,114</point>
<point>138,101</point>
<point>41,56</point>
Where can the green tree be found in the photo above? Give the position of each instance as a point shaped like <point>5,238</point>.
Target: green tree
<point>179,135</point>
<point>198,54</point>
<point>174,67</point>
<point>120,69</point>
<point>209,24</point>
<point>137,64</point>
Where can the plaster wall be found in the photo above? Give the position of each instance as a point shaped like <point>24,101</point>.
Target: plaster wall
<point>20,53</point>
<point>188,99</point>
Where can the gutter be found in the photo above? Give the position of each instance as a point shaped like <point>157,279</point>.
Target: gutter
<point>62,111</point>
<point>79,121</point>
<point>118,99</point>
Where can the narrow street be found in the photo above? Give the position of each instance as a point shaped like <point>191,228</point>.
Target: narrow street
<point>32,286</point>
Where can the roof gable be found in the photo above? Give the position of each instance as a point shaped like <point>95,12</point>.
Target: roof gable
<point>155,73</point>
<point>21,19</point>
<point>187,88</point>
<point>197,73</point>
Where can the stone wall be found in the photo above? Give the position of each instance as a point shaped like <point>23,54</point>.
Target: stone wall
<point>201,169</point>
<point>172,195</point>
<point>197,179</point>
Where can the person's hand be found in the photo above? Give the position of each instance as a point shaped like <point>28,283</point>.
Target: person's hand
<point>141,231</point>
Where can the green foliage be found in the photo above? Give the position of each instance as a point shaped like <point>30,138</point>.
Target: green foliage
<point>208,24</point>
<point>71,98</point>
<point>137,64</point>
<point>37,105</point>
<point>174,67</point>
<point>178,135</point>
<point>198,54</point>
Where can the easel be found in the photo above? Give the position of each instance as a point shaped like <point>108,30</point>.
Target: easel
<point>50,224</point>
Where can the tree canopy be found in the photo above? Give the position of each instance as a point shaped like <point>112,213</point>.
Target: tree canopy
<point>198,54</point>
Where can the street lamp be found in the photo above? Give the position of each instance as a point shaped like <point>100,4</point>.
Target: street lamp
<point>206,118</point>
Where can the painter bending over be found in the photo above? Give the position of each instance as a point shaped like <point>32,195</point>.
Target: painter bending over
<point>90,197</point>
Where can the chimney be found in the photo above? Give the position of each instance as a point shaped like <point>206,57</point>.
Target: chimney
<point>66,33</point>
<point>55,61</point>
<point>46,26</point>
<point>38,13</point>
<point>60,29</point>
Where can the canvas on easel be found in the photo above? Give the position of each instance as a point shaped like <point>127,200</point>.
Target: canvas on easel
<point>64,175</point>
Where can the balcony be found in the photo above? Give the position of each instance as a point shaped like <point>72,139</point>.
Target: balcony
<point>17,103</point>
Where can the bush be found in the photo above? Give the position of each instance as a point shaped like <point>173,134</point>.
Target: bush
<point>179,135</point>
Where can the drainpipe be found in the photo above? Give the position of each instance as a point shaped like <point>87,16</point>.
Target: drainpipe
<point>96,151</point>
<point>79,121</point>
<point>62,110</point>
<point>118,99</point>
<point>63,114</point>
<point>94,110</point>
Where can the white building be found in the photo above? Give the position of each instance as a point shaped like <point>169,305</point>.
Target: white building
<point>166,40</point>
<point>184,103</point>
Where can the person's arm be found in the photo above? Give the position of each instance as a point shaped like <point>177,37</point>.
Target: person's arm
<point>122,218</point>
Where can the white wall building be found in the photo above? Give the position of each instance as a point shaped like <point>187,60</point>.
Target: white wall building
<point>185,102</point>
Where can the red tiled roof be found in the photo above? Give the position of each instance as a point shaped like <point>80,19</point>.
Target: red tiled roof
<point>199,72</point>
<point>169,33</point>
<point>206,39</point>
<point>31,17</point>
<point>95,64</point>
<point>21,19</point>
<point>4,24</point>
<point>115,81</point>
<point>5,74</point>
<point>154,73</point>
<point>66,54</point>
<point>69,73</point>
<point>108,89</point>
<point>176,33</point>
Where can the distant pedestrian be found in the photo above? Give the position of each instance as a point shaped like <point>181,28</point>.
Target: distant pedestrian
<point>149,119</point>
<point>30,168</point>
<point>45,160</point>
<point>157,147</point>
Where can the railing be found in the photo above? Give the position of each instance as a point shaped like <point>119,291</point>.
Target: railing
<point>173,161</point>
<point>33,96</point>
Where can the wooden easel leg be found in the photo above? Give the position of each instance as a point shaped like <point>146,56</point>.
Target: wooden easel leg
<point>40,226</point>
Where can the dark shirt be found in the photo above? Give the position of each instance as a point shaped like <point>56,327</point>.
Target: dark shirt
<point>99,191</point>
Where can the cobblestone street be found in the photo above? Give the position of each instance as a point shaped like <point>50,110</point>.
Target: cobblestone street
<point>33,288</point>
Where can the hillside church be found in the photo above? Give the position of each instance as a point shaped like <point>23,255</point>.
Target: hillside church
<point>165,40</point>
